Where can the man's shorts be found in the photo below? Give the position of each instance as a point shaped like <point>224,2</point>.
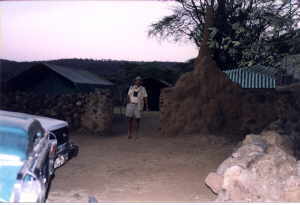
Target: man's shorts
<point>132,110</point>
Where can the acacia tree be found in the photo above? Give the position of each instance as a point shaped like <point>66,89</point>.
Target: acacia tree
<point>245,31</point>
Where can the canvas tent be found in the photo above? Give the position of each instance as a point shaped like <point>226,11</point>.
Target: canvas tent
<point>44,78</point>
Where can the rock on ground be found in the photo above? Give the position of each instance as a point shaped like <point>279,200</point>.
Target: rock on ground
<point>260,170</point>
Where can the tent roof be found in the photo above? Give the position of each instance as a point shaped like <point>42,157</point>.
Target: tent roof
<point>158,80</point>
<point>78,76</point>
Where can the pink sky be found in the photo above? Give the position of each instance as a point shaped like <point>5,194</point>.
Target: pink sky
<point>42,30</point>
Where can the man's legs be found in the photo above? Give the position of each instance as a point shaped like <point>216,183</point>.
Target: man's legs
<point>137,127</point>
<point>137,120</point>
<point>130,115</point>
<point>130,127</point>
<point>134,115</point>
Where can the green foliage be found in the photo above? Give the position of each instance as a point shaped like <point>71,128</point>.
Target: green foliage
<point>245,32</point>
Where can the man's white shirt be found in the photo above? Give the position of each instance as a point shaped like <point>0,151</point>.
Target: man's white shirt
<point>140,92</point>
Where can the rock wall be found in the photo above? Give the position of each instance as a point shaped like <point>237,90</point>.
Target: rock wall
<point>262,169</point>
<point>291,64</point>
<point>226,110</point>
<point>86,111</point>
<point>288,116</point>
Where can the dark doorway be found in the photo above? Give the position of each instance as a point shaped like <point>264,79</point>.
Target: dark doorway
<point>153,87</point>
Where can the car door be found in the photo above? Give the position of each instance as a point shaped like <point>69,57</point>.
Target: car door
<point>43,152</point>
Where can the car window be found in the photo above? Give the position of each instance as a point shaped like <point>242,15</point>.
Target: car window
<point>13,142</point>
<point>35,132</point>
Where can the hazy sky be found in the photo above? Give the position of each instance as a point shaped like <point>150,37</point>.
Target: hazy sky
<point>41,30</point>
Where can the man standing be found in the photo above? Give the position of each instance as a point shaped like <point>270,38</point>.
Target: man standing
<point>137,98</point>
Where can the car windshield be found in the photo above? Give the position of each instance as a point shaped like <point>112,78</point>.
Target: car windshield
<point>13,144</point>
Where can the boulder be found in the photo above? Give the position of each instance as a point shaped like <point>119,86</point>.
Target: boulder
<point>258,171</point>
<point>292,189</point>
<point>214,182</point>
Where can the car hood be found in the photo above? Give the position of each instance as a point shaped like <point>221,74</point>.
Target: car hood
<point>47,123</point>
<point>8,178</point>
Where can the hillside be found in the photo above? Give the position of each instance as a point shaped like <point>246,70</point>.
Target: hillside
<point>111,69</point>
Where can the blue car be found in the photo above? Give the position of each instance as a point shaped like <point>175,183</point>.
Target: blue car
<point>66,149</point>
<point>27,156</point>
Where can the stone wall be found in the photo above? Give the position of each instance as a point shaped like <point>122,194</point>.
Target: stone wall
<point>228,110</point>
<point>291,64</point>
<point>86,111</point>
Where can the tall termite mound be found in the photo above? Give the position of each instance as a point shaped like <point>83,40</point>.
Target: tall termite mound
<point>206,101</point>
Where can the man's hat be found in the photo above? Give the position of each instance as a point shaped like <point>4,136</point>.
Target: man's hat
<point>138,78</point>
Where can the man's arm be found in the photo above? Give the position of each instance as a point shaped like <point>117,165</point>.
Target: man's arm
<point>128,99</point>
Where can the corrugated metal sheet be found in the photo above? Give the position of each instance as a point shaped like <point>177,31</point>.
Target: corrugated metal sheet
<point>247,78</point>
<point>79,76</point>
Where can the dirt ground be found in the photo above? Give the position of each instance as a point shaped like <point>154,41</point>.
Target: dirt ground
<point>149,169</point>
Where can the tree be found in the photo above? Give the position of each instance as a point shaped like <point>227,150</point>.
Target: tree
<point>245,31</point>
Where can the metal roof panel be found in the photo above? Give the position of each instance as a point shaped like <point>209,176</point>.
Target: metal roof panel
<point>79,76</point>
<point>247,78</point>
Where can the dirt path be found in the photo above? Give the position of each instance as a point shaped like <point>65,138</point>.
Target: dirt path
<point>149,169</point>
